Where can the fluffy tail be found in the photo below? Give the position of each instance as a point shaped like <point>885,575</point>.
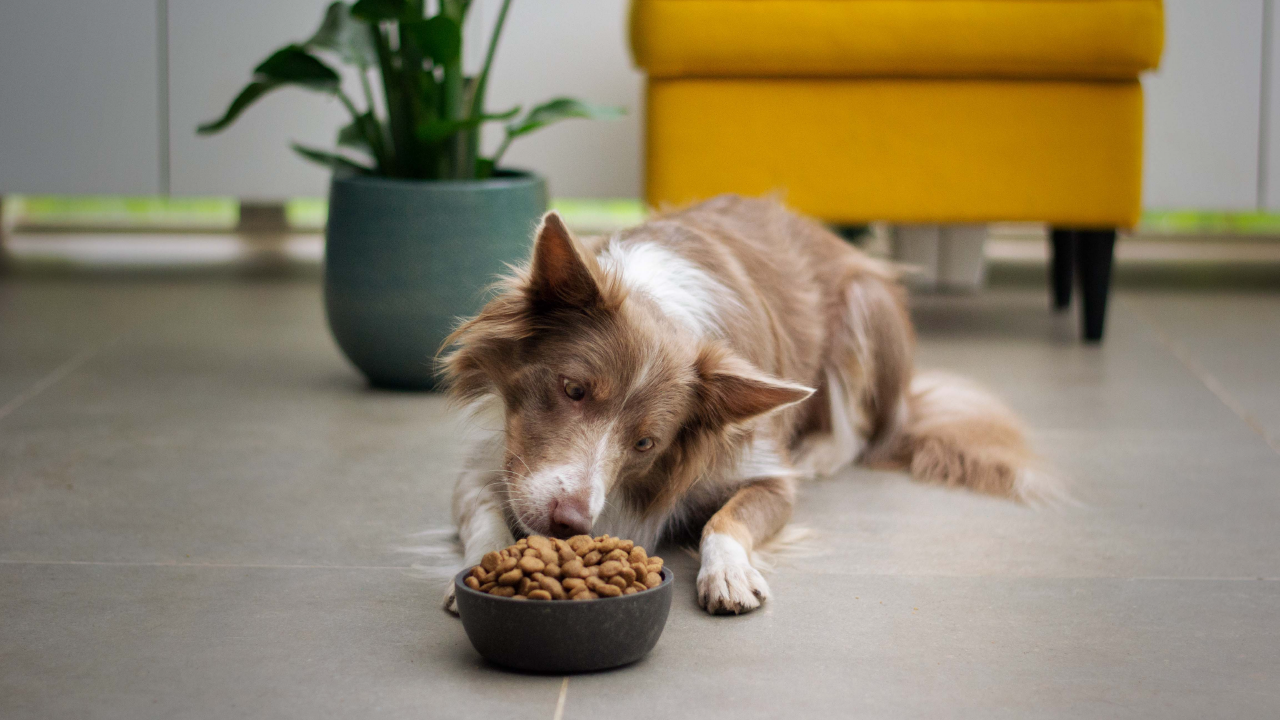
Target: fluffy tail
<point>958,434</point>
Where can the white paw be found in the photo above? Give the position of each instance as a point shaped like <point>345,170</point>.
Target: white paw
<point>450,601</point>
<point>727,583</point>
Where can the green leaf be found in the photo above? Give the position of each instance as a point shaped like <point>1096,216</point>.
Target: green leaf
<point>377,10</point>
<point>439,38</point>
<point>561,109</point>
<point>437,129</point>
<point>342,34</point>
<point>456,9</point>
<point>504,115</point>
<point>360,133</point>
<point>292,64</point>
<point>352,135</point>
<point>330,160</point>
<point>484,168</point>
<point>247,97</point>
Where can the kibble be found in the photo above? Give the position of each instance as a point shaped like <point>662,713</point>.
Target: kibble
<point>580,568</point>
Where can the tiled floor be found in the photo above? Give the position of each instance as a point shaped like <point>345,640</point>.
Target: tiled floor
<point>203,510</point>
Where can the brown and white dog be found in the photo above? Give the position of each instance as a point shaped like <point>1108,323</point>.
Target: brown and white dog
<point>677,379</point>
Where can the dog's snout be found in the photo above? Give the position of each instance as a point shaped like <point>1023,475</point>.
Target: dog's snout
<point>569,517</point>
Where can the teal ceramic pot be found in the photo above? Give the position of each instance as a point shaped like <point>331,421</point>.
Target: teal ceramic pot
<point>406,259</point>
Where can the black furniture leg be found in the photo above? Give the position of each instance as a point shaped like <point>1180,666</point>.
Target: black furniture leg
<point>1094,250</point>
<point>1061,266</point>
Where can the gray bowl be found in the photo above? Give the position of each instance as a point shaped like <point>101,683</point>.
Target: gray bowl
<point>564,636</point>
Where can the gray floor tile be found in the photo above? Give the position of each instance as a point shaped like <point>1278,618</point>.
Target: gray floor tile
<point>229,432</point>
<point>1033,359</point>
<point>42,328</point>
<point>134,642</point>
<point>1201,509</point>
<point>1232,338</point>
<point>885,647</point>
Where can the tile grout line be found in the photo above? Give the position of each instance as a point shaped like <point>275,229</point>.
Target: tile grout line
<point>48,381</point>
<point>1206,378</point>
<point>564,691</point>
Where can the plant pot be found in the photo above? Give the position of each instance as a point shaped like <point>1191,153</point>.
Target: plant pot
<point>406,259</point>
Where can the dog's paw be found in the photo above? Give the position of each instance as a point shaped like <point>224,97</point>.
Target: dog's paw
<point>727,583</point>
<point>450,601</point>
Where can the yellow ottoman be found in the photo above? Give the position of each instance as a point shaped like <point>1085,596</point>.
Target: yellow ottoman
<point>909,111</point>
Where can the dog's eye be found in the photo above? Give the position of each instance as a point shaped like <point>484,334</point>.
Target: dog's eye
<point>644,444</point>
<point>575,391</point>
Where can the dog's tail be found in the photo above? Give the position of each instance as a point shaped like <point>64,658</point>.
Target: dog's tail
<point>956,433</point>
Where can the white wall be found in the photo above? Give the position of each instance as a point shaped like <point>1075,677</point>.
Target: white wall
<point>1204,107</point>
<point>213,48</point>
<point>578,48</point>
<point>80,97</point>
<point>1270,182</point>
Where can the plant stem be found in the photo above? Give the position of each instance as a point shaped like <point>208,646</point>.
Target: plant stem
<point>396,120</point>
<point>379,141</point>
<point>482,80</point>
<point>349,105</point>
<point>506,143</point>
<point>471,138</point>
<point>375,142</point>
<point>368,89</point>
<point>411,72</point>
<point>453,90</point>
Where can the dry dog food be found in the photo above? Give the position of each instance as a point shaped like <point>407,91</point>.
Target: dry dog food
<point>580,568</point>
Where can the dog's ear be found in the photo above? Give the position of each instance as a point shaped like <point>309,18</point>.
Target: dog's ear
<point>562,273</point>
<point>731,390</point>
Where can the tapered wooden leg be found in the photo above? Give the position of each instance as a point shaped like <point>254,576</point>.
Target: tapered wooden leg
<point>1061,266</point>
<point>1094,250</point>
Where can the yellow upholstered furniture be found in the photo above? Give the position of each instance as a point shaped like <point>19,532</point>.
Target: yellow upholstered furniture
<point>908,111</point>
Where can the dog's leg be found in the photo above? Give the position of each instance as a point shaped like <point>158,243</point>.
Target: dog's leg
<point>477,512</point>
<point>727,582</point>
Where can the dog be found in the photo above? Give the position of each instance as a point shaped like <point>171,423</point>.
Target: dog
<point>675,381</point>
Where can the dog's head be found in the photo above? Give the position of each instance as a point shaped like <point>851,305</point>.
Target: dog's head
<point>599,388</point>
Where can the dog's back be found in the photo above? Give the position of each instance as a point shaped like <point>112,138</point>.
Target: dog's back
<point>810,308</point>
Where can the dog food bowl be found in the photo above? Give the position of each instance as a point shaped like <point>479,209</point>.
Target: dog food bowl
<point>564,636</point>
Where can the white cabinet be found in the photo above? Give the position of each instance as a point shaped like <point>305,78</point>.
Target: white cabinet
<point>1271,114</point>
<point>213,48</point>
<point>80,97</point>
<point>1203,107</point>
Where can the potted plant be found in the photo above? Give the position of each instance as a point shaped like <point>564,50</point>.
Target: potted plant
<point>420,220</point>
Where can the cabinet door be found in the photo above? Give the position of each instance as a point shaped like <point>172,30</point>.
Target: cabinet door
<point>1203,107</point>
<point>79,97</point>
<point>1271,117</point>
<point>213,47</point>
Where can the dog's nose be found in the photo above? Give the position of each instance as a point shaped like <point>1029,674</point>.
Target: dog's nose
<point>569,517</point>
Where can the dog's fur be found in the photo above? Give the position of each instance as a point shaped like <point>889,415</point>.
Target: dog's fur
<point>750,347</point>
